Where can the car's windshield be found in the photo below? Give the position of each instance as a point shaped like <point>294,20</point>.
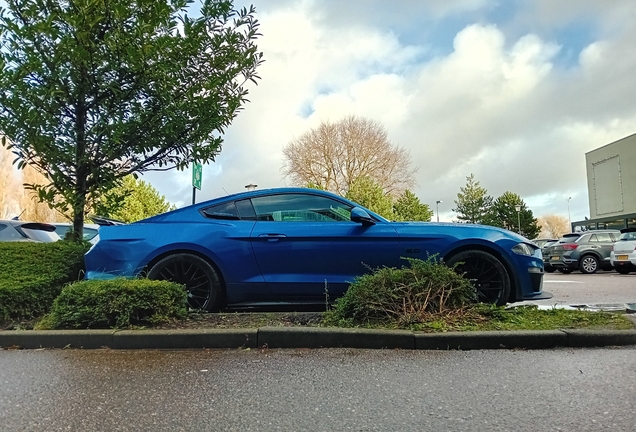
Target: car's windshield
<point>628,236</point>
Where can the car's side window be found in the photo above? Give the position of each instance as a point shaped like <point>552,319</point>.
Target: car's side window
<point>604,238</point>
<point>300,208</point>
<point>221,211</point>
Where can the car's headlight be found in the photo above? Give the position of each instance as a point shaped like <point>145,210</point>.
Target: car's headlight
<point>523,249</point>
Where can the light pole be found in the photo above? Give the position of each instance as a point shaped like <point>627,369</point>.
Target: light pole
<point>437,209</point>
<point>518,208</point>
<point>569,221</point>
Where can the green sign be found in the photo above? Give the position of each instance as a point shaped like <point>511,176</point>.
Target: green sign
<point>197,174</point>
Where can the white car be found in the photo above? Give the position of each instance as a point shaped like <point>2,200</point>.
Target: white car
<point>90,230</point>
<point>17,230</point>
<point>623,255</point>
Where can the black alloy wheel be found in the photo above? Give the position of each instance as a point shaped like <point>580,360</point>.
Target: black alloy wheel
<point>201,280</point>
<point>565,270</point>
<point>487,274</point>
<point>588,264</point>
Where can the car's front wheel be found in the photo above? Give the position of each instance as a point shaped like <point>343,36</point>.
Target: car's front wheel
<point>200,279</point>
<point>486,272</point>
<point>588,264</point>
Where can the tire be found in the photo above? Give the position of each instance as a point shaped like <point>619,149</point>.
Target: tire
<point>486,272</point>
<point>549,269</point>
<point>565,270</point>
<point>622,270</point>
<point>201,280</point>
<point>588,264</point>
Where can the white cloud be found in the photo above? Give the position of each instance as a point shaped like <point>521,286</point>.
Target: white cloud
<point>496,105</point>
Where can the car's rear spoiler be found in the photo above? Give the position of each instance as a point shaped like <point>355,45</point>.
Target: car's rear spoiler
<point>38,226</point>
<point>104,221</point>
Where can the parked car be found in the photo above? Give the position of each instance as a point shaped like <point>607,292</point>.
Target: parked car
<point>547,267</point>
<point>623,255</point>
<point>295,246</point>
<point>17,230</point>
<point>61,228</point>
<point>541,242</point>
<point>585,251</point>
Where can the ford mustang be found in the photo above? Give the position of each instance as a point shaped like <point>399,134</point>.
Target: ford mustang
<point>294,246</point>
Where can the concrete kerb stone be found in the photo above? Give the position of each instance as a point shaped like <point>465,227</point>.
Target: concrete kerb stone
<point>600,338</point>
<point>490,340</point>
<point>329,337</point>
<point>183,339</point>
<point>34,339</point>
<point>312,337</point>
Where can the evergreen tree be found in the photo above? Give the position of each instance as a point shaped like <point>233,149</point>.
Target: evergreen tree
<point>409,208</point>
<point>132,200</point>
<point>473,202</point>
<point>503,213</point>
<point>368,193</point>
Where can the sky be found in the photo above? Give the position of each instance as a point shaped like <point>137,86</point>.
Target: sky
<point>513,91</point>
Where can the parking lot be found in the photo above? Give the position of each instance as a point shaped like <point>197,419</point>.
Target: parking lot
<point>600,288</point>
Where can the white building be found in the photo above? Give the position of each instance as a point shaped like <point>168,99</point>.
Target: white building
<point>611,185</point>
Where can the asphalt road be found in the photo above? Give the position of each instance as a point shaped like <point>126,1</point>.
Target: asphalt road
<point>598,288</point>
<point>318,390</point>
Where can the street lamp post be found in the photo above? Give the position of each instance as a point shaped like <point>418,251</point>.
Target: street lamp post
<point>569,220</point>
<point>437,209</point>
<point>518,208</point>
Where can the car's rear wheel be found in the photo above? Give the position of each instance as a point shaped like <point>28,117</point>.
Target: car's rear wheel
<point>565,270</point>
<point>549,269</point>
<point>623,270</point>
<point>486,272</point>
<point>588,264</point>
<point>201,280</point>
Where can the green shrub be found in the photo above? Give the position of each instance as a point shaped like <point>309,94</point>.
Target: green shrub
<point>32,275</point>
<point>116,303</point>
<point>402,297</point>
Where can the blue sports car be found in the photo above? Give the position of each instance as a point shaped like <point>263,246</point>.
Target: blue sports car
<point>286,246</point>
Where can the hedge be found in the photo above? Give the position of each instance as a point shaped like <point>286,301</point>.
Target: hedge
<point>116,303</point>
<point>33,274</point>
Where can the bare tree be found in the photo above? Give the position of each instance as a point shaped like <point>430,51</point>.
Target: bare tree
<point>10,189</point>
<point>553,226</point>
<point>334,155</point>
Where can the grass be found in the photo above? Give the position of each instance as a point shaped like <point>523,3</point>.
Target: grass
<point>480,317</point>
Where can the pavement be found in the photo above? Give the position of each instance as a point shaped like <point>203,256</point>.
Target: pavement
<point>313,337</point>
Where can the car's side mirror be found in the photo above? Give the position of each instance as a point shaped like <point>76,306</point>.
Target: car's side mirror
<point>359,215</point>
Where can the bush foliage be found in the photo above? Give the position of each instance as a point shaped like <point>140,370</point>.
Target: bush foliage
<point>32,275</point>
<point>402,297</point>
<point>116,303</point>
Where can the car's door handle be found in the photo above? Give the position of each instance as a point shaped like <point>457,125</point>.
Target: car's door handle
<point>272,237</point>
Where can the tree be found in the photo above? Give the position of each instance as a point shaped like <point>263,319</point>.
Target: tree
<point>409,208</point>
<point>94,90</point>
<point>553,226</point>
<point>503,213</point>
<point>31,208</point>
<point>368,193</point>
<point>473,202</point>
<point>9,185</point>
<point>334,155</point>
<point>132,200</point>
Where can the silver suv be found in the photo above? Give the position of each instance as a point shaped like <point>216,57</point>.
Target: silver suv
<point>585,251</point>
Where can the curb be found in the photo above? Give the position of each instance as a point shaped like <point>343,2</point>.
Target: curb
<point>312,337</point>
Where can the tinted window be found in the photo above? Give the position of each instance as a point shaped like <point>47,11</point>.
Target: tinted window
<point>222,211</point>
<point>246,210</point>
<point>8,233</point>
<point>300,208</point>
